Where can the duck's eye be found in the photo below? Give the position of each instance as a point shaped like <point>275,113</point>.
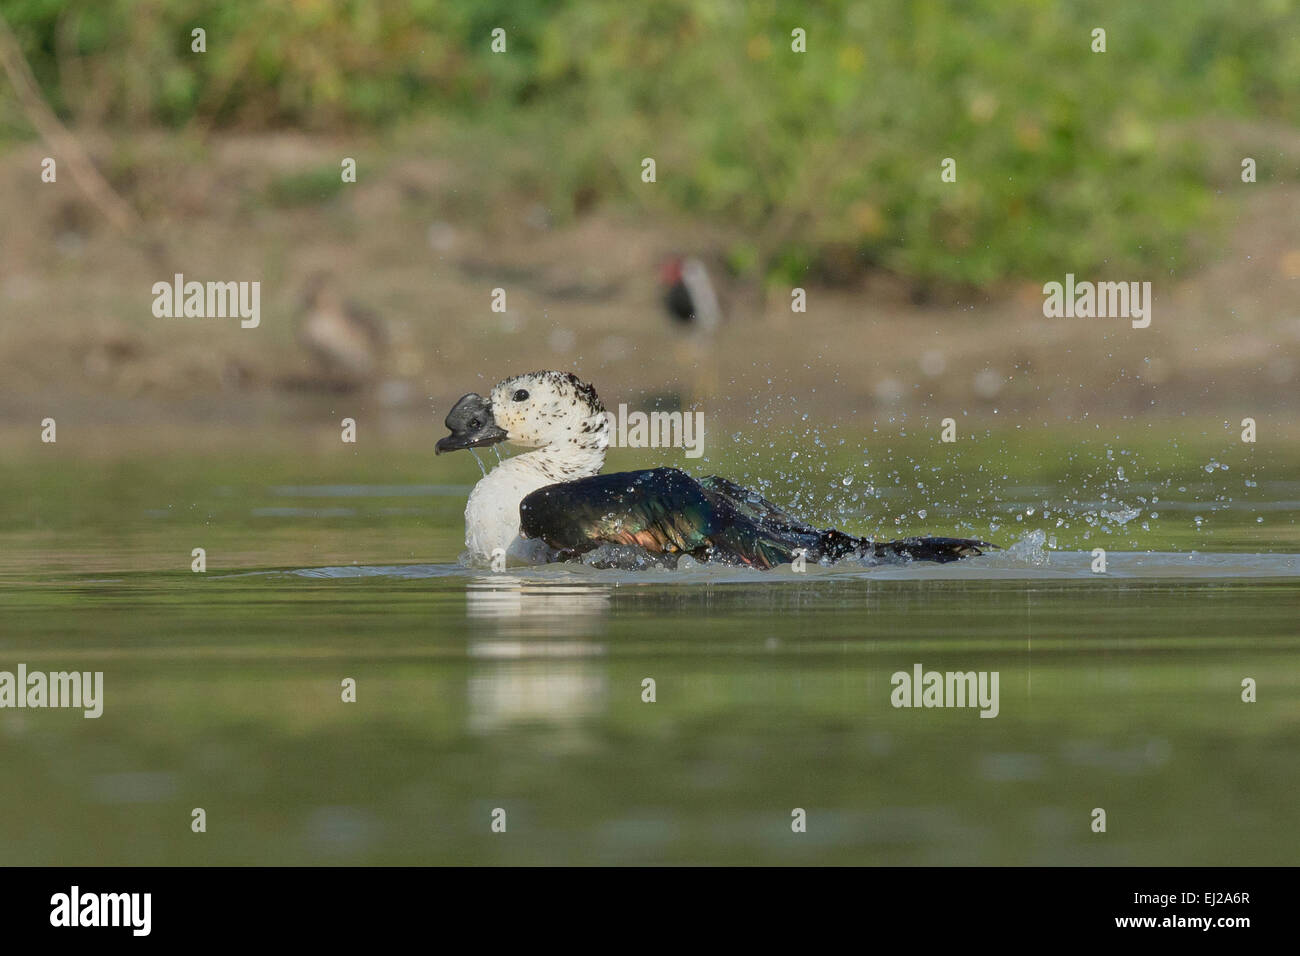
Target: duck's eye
<point>475,423</point>
<point>521,395</point>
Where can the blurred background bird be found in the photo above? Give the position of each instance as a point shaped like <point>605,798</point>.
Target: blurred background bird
<point>691,301</point>
<point>689,294</point>
<point>347,343</point>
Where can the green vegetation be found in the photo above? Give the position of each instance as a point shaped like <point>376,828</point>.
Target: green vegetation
<point>828,161</point>
<point>305,188</point>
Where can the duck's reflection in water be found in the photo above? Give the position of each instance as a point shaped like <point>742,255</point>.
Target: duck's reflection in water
<point>532,661</point>
<point>506,605</point>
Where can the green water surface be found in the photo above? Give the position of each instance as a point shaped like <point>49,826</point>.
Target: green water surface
<point>524,691</point>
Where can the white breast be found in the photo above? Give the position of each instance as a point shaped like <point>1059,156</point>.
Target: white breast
<point>492,514</point>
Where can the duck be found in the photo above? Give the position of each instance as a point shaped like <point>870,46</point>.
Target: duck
<point>347,342</point>
<point>552,503</point>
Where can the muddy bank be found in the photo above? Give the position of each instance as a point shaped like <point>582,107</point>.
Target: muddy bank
<point>78,331</point>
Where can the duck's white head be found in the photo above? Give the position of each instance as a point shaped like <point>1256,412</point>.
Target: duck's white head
<point>554,413</point>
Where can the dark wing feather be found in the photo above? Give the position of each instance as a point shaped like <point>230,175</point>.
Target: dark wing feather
<point>667,513</point>
<point>832,544</point>
<point>662,510</point>
<point>755,507</point>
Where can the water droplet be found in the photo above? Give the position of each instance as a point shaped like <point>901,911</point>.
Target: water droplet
<point>474,452</point>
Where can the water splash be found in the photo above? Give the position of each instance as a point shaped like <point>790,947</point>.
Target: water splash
<point>1122,515</point>
<point>481,467</point>
<point>1029,548</point>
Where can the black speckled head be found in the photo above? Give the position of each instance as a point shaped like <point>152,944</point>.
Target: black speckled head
<point>541,409</point>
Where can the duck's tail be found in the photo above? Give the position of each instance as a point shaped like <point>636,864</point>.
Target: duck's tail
<point>836,545</point>
<point>749,529</point>
<point>941,550</point>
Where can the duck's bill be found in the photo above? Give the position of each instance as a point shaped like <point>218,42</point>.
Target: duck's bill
<point>471,424</point>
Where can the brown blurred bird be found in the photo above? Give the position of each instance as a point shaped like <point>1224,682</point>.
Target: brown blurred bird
<point>347,342</point>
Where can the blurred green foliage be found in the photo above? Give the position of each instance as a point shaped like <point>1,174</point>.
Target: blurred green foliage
<point>311,185</point>
<point>828,160</point>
